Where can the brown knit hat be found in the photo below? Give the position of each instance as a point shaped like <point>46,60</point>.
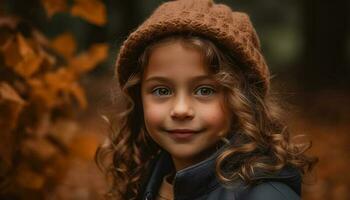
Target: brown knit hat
<point>229,29</point>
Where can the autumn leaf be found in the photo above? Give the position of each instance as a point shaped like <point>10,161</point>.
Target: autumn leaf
<point>40,38</point>
<point>64,81</point>
<point>48,60</point>
<point>41,95</point>
<point>55,88</point>
<point>94,11</point>
<point>40,91</point>
<point>19,55</point>
<point>69,127</point>
<point>10,51</point>
<point>86,61</point>
<point>39,148</point>
<point>47,90</point>
<point>54,6</point>
<point>29,65</point>
<point>27,178</point>
<point>64,44</point>
<point>98,52</point>
<point>11,105</point>
<point>7,93</point>
<point>23,46</point>
<point>79,94</point>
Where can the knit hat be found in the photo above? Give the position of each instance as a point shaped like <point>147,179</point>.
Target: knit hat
<point>217,22</point>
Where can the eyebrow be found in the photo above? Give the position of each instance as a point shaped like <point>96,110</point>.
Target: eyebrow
<point>164,79</point>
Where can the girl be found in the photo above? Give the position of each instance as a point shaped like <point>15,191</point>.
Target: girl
<point>195,118</point>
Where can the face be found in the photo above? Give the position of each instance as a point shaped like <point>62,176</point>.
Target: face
<point>183,106</point>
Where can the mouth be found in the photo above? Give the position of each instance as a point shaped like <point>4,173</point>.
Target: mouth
<point>183,131</point>
<point>182,134</point>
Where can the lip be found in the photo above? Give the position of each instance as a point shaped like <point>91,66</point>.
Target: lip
<point>182,134</point>
<point>184,131</point>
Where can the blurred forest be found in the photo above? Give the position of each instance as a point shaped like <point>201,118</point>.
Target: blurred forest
<point>56,69</point>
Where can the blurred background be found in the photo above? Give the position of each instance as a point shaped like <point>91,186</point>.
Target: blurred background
<point>56,69</point>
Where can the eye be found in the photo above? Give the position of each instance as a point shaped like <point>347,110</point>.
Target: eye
<point>161,91</point>
<point>205,91</point>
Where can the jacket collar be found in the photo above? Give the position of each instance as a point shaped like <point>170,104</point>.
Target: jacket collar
<point>196,179</point>
<point>201,178</point>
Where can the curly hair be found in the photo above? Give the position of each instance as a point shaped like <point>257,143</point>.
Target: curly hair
<point>262,140</point>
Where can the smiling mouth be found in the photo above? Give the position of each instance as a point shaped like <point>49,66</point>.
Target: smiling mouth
<point>182,134</point>
<point>183,131</point>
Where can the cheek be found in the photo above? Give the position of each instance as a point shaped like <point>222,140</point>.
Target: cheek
<point>215,116</point>
<point>153,114</point>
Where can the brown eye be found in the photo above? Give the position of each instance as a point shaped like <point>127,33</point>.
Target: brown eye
<point>205,91</point>
<point>161,91</point>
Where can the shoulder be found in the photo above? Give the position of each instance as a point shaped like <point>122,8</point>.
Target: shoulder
<point>267,190</point>
<point>270,190</point>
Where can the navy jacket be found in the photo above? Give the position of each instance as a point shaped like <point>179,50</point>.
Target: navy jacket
<point>199,182</point>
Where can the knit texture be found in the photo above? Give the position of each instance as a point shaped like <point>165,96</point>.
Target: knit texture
<point>230,29</point>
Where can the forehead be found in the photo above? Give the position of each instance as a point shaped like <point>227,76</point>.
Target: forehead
<point>173,59</point>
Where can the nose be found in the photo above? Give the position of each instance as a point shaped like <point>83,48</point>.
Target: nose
<point>182,108</point>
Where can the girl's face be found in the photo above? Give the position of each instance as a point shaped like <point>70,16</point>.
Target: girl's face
<point>183,106</point>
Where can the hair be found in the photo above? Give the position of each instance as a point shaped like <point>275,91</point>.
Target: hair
<point>262,140</point>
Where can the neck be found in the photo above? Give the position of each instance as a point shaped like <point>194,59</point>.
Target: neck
<point>182,163</point>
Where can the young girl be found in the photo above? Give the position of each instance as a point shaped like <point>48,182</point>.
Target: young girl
<point>195,118</point>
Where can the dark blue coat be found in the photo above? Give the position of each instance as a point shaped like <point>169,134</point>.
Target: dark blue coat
<point>199,182</point>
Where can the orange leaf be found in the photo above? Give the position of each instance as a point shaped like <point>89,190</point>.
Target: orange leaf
<point>64,131</point>
<point>48,59</point>
<point>9,94</point>
<point>58,83</point>
<point>27,178</point>
<point>39,147</point>
<point>40,38</point>
<point>64,44</point>
<point>30,62</point>
<point>94,11</point>
<point>11,105</point>
<point>21,56</point>
<point>60,79</point>
<point>47,90</point>
<point>81,63</point>
<point>98,52</point>
<point>29,65</point>
<point>88,60</point>
<point>55,88</point>
<point>24,48</point>
<point>41,94</point>
<point>11,53</point>
<point>54,6</point>
<point>79,94</point>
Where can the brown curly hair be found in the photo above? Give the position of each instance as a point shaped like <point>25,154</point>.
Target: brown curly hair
<point>262,140</point>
